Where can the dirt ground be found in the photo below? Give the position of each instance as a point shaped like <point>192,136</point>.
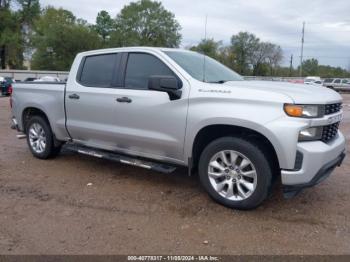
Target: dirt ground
<point>46,207</point>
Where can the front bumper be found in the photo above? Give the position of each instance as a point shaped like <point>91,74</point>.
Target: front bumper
<point>319,160</point>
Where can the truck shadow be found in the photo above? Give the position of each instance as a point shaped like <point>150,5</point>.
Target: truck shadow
<point>176,192</point>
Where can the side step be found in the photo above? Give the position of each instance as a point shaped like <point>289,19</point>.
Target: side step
<point>21,136</point>
<point>159,167</point>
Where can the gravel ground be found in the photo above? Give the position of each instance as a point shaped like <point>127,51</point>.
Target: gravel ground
<point>47,207</point>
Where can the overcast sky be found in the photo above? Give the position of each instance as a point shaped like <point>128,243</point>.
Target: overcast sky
<point>327,30</point>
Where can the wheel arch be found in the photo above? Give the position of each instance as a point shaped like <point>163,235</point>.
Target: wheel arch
<point>211,132</point>
<point>31,111</point>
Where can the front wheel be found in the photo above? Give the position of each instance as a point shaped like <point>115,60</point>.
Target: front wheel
<point>235,173</point>
<point>40,138</point>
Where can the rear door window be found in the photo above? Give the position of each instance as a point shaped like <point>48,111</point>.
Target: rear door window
<point>337,81</point>
<point>98,70</point>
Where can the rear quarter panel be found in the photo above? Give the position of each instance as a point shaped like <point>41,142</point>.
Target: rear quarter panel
<point>47,97</point>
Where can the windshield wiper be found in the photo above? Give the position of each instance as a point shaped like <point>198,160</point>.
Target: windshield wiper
<point>218,82</point>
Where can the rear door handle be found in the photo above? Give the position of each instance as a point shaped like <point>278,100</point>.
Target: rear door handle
<point>124,100</point>
<point>74,96</point>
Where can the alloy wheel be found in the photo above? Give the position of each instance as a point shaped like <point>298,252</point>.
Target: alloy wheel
<point>232,175</point>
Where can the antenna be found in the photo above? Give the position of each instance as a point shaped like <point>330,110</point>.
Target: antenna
<point>205,28</point>
<point>205,38</point>
<point>302,50</point>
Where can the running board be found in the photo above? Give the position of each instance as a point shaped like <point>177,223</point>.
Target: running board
<point>159,167</point>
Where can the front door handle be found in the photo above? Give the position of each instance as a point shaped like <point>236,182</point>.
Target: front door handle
<point>124,100</point>
<point>74,96</point>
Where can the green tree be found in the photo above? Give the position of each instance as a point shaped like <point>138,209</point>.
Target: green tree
<point>227,57</point>
<point>146,23</point>
<point>244,45</point>
<point>208,47</point>
<point>104,25</point>
<point>11,46</point>
<point>254,56</point>
<point>310,67</point>
<point>29,11</point>
<point>58,37</point>
<point>284,71</point>
<point>5,4</point>
<point>329,71</point>
<point>259,58</point>
<point>246,54</point>
<point>274,57</point>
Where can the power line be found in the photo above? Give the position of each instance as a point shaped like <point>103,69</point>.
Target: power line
<point>328,57</point>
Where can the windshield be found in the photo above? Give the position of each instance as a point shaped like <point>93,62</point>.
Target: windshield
<point>203,68</point>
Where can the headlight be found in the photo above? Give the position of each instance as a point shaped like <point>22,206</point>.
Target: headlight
<point>312,133</point>
<point>305,111</point>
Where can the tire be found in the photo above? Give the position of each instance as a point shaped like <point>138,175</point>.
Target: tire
<point>40,138</point>
<point>242,191</point>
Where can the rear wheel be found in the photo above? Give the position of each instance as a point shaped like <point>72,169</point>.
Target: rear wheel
<point>235,173</point>
<point>40,138</point>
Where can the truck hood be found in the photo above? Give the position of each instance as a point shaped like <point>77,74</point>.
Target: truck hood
<point>299,93</point>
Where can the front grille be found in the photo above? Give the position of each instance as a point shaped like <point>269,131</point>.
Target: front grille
<point>332,108</point>
<point>329,132</point>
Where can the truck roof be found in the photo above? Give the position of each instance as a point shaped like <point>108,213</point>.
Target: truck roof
<point>132,48</point>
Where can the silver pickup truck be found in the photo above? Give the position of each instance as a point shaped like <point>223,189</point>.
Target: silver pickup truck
<point>162,108</point>
<point>337,84</point>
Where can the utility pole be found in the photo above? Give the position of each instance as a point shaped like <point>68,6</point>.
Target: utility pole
<point>291,65</point>
<point>302,50</point>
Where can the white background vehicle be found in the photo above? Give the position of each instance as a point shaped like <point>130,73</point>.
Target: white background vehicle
<point>47,79</point>
<point>316,83</point>
<point>311,79</point>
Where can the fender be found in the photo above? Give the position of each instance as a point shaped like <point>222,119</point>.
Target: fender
<point>190,136</point>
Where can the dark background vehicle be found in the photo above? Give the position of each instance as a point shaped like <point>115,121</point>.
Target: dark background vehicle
<point>30,79</point>
<point>6,86</point>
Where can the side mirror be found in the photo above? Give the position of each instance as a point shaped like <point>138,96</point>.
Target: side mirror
<point>168,84</point>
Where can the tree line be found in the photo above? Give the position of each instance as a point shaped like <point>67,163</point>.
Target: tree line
<point>246,54</point>
<point>51,37</point>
